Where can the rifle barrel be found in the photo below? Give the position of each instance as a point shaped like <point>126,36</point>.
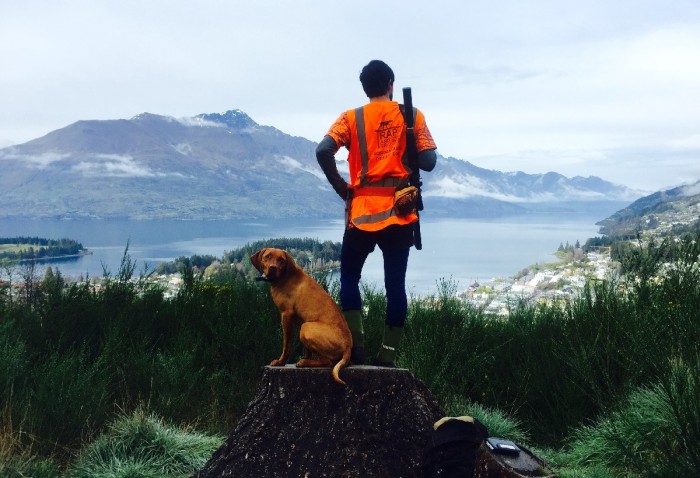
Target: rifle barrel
<point>408,106</point>
<point>413,160</point>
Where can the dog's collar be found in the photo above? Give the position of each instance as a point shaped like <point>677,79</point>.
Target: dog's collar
<point>262,279</point>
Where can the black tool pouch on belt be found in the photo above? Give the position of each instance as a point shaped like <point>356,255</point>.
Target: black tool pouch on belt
<point>405,200</point>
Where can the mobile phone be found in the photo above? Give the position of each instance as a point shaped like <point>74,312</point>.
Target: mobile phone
<point>505,447</point>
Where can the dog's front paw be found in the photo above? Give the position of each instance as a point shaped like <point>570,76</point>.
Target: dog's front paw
<point>277,363</point>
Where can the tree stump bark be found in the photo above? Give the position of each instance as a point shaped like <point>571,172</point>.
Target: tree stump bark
<point>303,424</point>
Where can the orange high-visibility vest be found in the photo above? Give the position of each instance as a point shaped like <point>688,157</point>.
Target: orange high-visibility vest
<point>378,165</point>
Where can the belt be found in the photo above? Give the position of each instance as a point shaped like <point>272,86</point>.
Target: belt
<point>374,191</point>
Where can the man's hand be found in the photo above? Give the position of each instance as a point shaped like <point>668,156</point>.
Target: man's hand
<point>325,155</point>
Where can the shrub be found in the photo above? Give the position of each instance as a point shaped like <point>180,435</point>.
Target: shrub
<point>446,346</point>
<point>70,398</point>
<point>653,433</point>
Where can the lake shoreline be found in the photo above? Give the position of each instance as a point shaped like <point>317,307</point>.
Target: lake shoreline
<point>460,250</point>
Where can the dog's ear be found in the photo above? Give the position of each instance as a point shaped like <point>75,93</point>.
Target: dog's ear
<point>256,259</point>
<point>289,259</point>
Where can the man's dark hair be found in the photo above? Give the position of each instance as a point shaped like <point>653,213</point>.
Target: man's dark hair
<point>375,78</point>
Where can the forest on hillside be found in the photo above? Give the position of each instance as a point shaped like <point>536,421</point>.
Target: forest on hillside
<point>310,254</point>
<point>36,248</point>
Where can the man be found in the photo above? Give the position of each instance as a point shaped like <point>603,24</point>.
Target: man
<point>375,136</point>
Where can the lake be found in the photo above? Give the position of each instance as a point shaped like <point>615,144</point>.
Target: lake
<point>463,250</point>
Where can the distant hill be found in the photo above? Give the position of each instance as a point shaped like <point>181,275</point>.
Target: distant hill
<point>227,166</point>
<point>673,210</point>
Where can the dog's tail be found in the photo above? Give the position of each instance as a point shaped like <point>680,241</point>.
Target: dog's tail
<point>341,363</point>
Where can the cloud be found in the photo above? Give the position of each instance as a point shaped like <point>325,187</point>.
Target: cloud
<point>691,189</point>
<point>38,161</point>
<point>294,164</point>
<point>195,121</point>
<point>664,54</point>
<point>183,148</point>
<point>119,166</point>
<point>448,187</point>
<point>466,74</point>
<point>691,142</point>
<point>470,186</point>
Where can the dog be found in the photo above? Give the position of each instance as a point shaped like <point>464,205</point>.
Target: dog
<point>302,301</point>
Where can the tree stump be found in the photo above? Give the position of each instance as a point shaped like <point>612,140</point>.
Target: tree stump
<point>303,424</point>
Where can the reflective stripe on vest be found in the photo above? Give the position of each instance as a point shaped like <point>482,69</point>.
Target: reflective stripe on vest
<point>381,187</point>
<point>362,140</point>
<point>374,218</point>
<point>385,187</point>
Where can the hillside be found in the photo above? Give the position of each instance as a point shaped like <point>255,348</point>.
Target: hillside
<point>227,166</point>
<point>673,210</point>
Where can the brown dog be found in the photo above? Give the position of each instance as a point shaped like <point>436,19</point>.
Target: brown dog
<point>302,301</point>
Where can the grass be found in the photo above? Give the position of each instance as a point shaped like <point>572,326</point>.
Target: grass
<point>496,422</point>
<point>649,434</point>
<point>17,459</point>
<point>143,445</point>
<point>13,247</point>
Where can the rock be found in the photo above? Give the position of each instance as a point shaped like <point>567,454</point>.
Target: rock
<point>303,424</point>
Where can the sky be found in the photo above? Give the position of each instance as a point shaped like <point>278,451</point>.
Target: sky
<point>607,88</point>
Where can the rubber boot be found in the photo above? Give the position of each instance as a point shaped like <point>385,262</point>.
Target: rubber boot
<point>390,346</point>
<point>354,320</point>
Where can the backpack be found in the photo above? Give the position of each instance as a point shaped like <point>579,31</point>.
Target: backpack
<point>452,449</point>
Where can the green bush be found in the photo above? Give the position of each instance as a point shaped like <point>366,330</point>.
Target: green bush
<point>446,346</point>
<point>70,398</point>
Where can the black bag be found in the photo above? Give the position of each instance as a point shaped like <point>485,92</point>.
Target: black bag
<point>452,449</point>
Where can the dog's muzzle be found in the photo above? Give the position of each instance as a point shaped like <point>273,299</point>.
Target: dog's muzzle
<point>273,273</point>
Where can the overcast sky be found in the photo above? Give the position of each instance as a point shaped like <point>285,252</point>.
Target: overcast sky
<point>609,88</point>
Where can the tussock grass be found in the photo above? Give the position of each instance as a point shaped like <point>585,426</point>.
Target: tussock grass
<point>25,466</point>
<point>142,445</point>
<point>496,422</point>
<point>652,433</point>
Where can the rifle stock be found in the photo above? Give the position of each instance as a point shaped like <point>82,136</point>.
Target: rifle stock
<point>414,177</point>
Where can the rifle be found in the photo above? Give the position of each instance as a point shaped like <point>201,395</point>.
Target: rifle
<point>414,176</point>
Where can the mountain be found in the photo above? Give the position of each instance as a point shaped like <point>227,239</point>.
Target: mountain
<point>461,188</point>
<point>673,210</point>
<point>227,166</point>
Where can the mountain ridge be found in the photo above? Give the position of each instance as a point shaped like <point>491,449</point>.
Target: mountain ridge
<point>661,213</point>
<point>227,166</point>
